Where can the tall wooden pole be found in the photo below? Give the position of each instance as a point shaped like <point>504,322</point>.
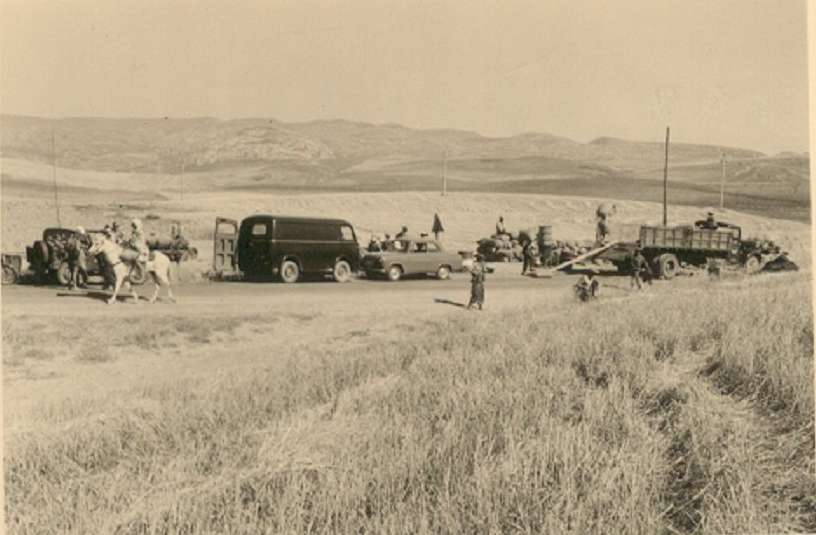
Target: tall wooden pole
<point>722,182</point>
<point>445,174</point>
<point>666,181</point>
<point>54,174</point>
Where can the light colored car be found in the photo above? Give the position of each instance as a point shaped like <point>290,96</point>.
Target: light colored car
<point>410,256</point>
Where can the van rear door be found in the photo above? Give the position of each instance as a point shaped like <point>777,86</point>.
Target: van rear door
<point>225,246</point>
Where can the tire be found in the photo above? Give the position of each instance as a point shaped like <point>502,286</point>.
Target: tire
<point>63,274</point>
<point>394,273</point>
<point>9,275</point>
<point>443,273</point>
<point>138,274</point>
<point>668,266</point>
<point>290,271</point>
<point>752,265</point>
<point>342,271</point>
<point>41,250</point>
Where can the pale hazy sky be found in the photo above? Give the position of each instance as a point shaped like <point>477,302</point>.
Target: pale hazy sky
<point>731,72</point>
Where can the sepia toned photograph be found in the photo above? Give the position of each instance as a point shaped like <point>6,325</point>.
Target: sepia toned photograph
<point>418,267</point>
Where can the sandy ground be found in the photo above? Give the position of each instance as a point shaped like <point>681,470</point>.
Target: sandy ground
<point>259,321</point>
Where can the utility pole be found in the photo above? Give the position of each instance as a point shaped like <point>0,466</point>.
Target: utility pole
<point>445,174</point>
<point>182,180</point>
<point>666,181</point>
<point>54,174</point>
<point>722,182</point>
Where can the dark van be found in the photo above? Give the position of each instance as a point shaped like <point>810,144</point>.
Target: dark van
<point>288,247</point>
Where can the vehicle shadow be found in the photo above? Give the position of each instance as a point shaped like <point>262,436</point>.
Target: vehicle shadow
<point>449,302</point>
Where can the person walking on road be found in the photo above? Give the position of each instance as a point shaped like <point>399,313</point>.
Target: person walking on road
<point>477,279</point>
<point>639,267</point>
<point>77,250</point>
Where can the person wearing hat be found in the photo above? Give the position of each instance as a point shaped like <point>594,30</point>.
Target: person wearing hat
<point>710,223</point>
<point>639,267</point>
<point>477,278</point>
<point>137,241</point>
<point>76,249</point>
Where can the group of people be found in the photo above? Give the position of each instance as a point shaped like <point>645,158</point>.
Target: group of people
<point>79,245</point>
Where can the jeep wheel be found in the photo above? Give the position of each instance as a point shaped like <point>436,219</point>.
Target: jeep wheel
<point>342,271</point>
<point>9,275</point>
<point>63,274</point>
<point>394,273</point>
<point>290,271</point>
<point>138,274</point>
<point>443,273</point>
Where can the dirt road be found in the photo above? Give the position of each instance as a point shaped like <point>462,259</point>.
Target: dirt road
<point>64,348</point>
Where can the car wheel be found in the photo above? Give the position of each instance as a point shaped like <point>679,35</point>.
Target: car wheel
<point>9,275</point>
<point>290,271</point>
<point>443,273</point>
<point>342,271</point>
<point>394,273</point>
<point>63,274</point>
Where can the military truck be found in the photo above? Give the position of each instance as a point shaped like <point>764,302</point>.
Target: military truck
<point>668,248</point>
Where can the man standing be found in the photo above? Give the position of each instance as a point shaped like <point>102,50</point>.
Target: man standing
<point>402,233</point>
<point>477,278</point>
<point>710,223</point>
<point>529,254</point>
<point>500,227</point>
<point>639,266</point>
<point>76,250</point>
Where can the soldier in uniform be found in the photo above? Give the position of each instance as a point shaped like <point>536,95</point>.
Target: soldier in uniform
<point>76,251</point>
<point>530,252</point>
<point>639,267</point>
<point>477,278</point>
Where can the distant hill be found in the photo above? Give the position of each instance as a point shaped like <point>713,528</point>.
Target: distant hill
<point>151,144</point>
<point>338,155</point>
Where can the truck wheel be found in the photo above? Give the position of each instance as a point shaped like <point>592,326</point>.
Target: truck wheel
<point>342,271</point>
<point>394,273</point>
<point>9,275</point>
<point>290,271</point>
<point>752,265</point>
<point>63,274</point>
<point>443,273</point>
<point>668,266</point>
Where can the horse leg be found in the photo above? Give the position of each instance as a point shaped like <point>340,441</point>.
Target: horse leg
<point>116,287</point>
<point>156,284</point>
<point>133,292</point>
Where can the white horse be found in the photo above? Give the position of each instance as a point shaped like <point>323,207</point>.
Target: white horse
<point>158,267</point>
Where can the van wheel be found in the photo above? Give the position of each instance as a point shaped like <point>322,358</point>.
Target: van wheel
<point>290,271</point>
<point>342,271</point>
<point>394,273</point>
<point>443,273</point>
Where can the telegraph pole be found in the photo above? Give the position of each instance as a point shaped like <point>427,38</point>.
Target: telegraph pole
<point>722,182</point>
<point>445,174</point>
<point>182,180</point>
<point>54,174</point>
<point>666,180</point>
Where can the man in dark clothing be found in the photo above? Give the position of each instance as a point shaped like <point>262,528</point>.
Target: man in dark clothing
<point>76,249</point>
<point>477,278</point>
<point>640,267</point>
<point>529,254</point>
<point>710,222</point>
<point>402,233</point>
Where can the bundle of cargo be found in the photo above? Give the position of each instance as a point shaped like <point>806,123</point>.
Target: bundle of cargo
<point>499,248</point>
<point>177,248</point>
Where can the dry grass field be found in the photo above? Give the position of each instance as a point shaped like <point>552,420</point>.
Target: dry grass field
<point>686,409</point>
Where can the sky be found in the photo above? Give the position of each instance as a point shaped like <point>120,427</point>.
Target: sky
<point>730,72</point>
